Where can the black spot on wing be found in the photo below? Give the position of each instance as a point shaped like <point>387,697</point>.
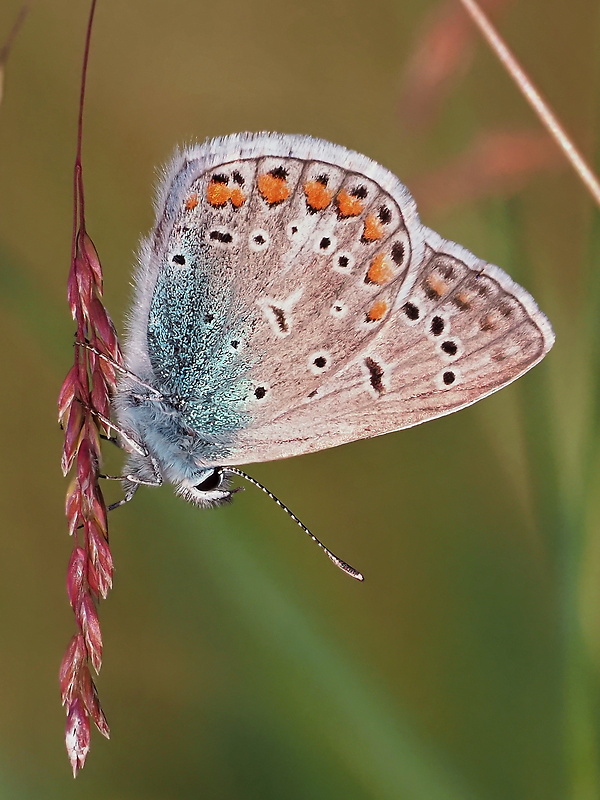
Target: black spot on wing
<point>280,318</point>
<point>375,375</point>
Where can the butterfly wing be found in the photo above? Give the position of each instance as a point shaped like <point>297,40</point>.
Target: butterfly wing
<point>290,299</point>
<point>465,331</point>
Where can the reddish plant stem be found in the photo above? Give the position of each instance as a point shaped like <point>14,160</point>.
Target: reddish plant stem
<point>86,392</point>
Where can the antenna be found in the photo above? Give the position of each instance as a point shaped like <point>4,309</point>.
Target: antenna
<point>354,573</point>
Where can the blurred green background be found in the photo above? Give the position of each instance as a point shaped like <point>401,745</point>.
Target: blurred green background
<point>238,662</point>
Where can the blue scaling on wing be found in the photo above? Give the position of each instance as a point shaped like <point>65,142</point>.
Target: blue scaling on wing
<point>198,332</point>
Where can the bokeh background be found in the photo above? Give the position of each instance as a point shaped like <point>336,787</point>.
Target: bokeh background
<point>238,663</point>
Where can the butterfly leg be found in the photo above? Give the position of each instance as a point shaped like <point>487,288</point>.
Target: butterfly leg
<point>111,439</point>
<point>133,444</point>
<point>122,370</point>
<point>134,484</point>
<point>133,479</point>
<point>119,503</point>
<point>122,502</point>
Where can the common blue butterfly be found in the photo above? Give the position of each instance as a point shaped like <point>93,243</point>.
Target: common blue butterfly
<point>289,299</point>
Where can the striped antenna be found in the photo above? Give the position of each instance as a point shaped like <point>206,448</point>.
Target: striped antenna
<point>354,573</point>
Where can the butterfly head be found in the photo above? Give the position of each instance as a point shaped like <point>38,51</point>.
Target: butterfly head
<point>210,488</point>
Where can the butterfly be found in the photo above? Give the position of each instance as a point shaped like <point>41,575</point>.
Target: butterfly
<point>289,299</point>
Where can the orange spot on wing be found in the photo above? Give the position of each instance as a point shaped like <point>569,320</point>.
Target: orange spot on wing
<point>462,301</point>
<point>380,271</point>
<point>348,205</point>
<point>237,197</point>
<point>488,323</point>
<point>377,311</point>
<point>435,287</point>
<point>373,228</point>
<point>272,189</point>
<point>318,196</point>
<point>192,201</point>
<point>217,194</point>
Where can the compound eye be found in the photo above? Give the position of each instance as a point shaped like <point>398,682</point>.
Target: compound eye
<point>211,482</point>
